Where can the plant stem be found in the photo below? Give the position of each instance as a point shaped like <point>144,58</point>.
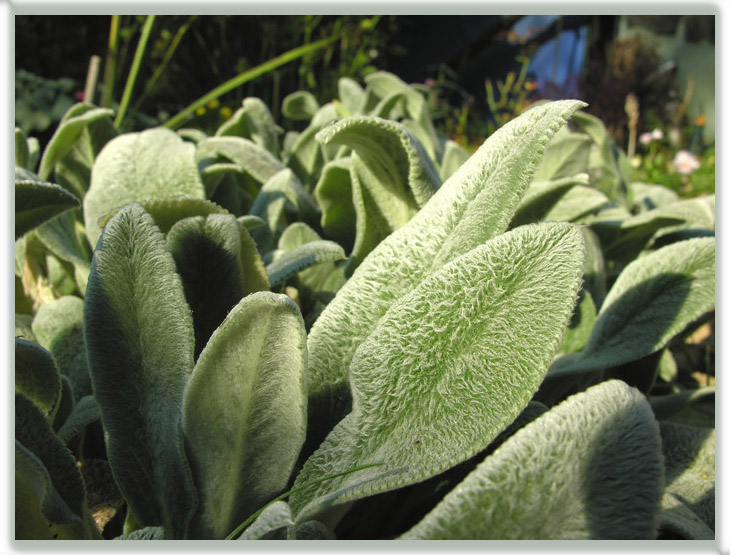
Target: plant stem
<point>110,64</point>
<point>91,78</point>
<point>241,78</point>
<point>165,59</point>
<point>134,70</point>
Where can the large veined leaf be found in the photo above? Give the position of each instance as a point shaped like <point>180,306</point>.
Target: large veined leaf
<point>37,202</point>
<point>36,376</point>
<point>254,121</point>
<point>65,238</point>
<point>151,165</point>
<point>140,343</point>
<point>59,327</point>
<point>303,257</point>
<point>681,521</point>
<point>351,95</point>
<point>473,205</point>
<point>578,202</point>
<point>653,299</point>
<point>84,412</point>
<point>245,411</point>
<point>590,468</point>
<point>74,122</point>
<point>212,263</point>
<point>647,196</point>
<point>271,523</point>
<point>463,346</point>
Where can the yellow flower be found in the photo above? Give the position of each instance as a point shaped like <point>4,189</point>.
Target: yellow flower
<point>701,120</point>
<point>200,111</point>
<point>226,112</point>
<point>213,104</point>
<point>530,85</point>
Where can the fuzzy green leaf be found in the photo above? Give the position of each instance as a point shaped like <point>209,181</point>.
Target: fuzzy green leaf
<point>681,521</point>
<point>36,376</point>
<point>541,196</point>
<point>140,343</point>
<point>576,203</point>
<point>34,433</point>
<point>68,132</point>
<point>271,523</point>
<point>152,165</point>
<point>689,459</point>
<point>37,202</point>
<point>693,407</point>
<point>299,106</point>
<point>463,346</point>
<point>40,511</point>
<point>59,327</point>
<point>475,204</point>
<point>581,324</point>
<point>301,258</point>
<point>590,468</point>
<point>454,157</point>
<point>646,196</point>
<point>334,196</point>
<point>65,238</point>
<point>146,533</point>
<point>254,121</point>
<point>22,155</point>
<point>653,299</point>
<point>567,155</point>
<point>245,410</point>
<point>207,253</point>
<point>254,159</point>
<point>85,412</point>
<point>351,95</point>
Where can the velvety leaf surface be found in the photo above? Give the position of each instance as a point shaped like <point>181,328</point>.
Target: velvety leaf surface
<point>302,258</point>
<point>59,327</point>
<point>22,155</point>
<point>692,407</point>
<point>275,518</point>
<point>454,157</point>
<point>474,205</point>
<point>254,159</point>
<point>653,299</point>
<point>689,459</point>
<point>36,376</point>
<point>577,202</point>
<point>584,317</point>
<point>648,196</point>
<point>254,121</point>
<point>310,530</point>
<point>351,95</point>
<point>681,521</point>
<point>300,106</point>
<point>34,433</point>
<point>567,155</point>
<point>334,196</point>
<point>207,254</point>
<point>590,468</point>
<point>40,511</point>
<point>84,412</point>
<point>36,203</point>
<point>541,196</point>
<point>146,533</point>
<point>140,343</point>
<point>245,411</point>
<point>67,133</point>
<point>65,238</point>
<point>463,346</point>
<point>151,165</point>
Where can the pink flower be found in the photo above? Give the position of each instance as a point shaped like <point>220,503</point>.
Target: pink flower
<point>685,162</point>
<point>430,82</point>
<point>79,96</point>
<point>657,134</point>
<point>645,138</point>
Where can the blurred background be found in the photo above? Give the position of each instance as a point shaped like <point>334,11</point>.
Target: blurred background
<point>477,72</point>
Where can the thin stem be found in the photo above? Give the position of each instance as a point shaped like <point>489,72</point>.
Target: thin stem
<point>107,92</point>
<point>134,70</point>
<point>91,78</point>
<point>165,60</point>
<point>246,76</point>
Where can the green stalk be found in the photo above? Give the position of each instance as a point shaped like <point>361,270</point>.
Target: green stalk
<point>246,76</point>
<point>165,59</point>
<point>110,63</point>
<point>134,70</point>
<point>286,494</point>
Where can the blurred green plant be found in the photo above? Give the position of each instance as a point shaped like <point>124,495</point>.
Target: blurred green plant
<point>40,103</point>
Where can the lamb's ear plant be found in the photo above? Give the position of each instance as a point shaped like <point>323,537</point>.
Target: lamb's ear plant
<point>413,380</point>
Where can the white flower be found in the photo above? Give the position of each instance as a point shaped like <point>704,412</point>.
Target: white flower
<point>685,162</point>
<point>636,161</point>
<point>657,134</point>
<point>645,138</point>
